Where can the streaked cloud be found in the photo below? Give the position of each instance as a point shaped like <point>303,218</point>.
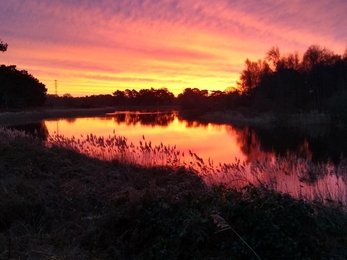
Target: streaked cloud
<point>96,46</point>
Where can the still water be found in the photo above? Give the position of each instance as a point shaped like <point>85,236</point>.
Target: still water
<point>303,162</point>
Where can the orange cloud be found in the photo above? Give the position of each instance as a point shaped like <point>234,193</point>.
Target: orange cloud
<point>94,47</point>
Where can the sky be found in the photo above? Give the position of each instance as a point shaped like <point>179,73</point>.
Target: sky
<point>100,46</point>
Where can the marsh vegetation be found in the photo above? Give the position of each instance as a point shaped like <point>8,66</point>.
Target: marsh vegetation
<point>59,203</point>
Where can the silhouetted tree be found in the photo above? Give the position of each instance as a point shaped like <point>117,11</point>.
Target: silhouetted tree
<point>163,96</point>
<point>146,97</point>
<point>290,61</point>
<point>19,89</point>
<point>150,97</point>
<point>291,82</point>
<point>193,98</point>
<point>273,55</point>
<point>319,66</point>
<point>3,46</point>
<point>252,75</point>
<point>119,97</point>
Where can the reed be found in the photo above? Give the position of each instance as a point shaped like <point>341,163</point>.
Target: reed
<point>299,177</point>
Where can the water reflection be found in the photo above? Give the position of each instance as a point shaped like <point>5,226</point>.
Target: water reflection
<point>70,120</point>
<point>328,146</point>
<point>196,124</point>
<point>298,161</point>
<point>144,118</point>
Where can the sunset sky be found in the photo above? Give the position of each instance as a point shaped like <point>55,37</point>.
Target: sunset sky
<point>99,46</point>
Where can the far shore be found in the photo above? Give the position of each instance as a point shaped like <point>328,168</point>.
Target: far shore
<point>8,118</point>
<point>236,118</point>
<point>268,120</point>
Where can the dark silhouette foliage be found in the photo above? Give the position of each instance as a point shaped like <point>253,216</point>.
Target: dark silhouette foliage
<point>144,97</point>
<point>3,46</point>
<point>67,100</point>
<point>193,98</point>
<point>291,83</point>
<point>19,89</point>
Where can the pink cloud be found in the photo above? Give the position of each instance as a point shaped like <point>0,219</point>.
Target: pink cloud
<point>185,42</point>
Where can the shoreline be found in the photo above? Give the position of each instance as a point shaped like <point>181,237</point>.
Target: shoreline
<point>8,118</point>
<point>268,120</point>
<point>235,118</point>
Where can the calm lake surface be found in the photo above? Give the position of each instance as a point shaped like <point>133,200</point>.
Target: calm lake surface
<point>303,162</point>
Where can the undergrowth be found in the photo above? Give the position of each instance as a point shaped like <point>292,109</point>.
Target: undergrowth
<point>56,203</point>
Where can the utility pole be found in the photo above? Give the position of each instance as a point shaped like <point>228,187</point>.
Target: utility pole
<point>56,87</point>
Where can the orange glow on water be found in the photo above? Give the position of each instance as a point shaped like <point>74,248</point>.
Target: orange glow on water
<point>222,144</point>
<point>204,141</point>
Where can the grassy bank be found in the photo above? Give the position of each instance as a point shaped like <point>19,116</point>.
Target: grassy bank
<point>59,204</point>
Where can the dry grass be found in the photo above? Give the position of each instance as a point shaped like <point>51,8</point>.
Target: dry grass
<point>145,154</point>
<point>299,177</point>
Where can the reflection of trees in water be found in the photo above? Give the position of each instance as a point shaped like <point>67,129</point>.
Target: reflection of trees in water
<point>290,151</point>
<point>34,129</point>
<point>254,143</point>
<point>249,143</point>
<point>70,120</point>
<point>195,124</point>
<point>331,145</point>
<point>152,119</point>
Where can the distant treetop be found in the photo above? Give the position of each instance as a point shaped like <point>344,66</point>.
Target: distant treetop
<point>3,46</point>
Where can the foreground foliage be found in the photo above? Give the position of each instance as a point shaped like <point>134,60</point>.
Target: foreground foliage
<point>58,204</point>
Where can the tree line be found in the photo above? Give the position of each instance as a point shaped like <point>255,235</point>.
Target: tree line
<point>316,80</point>
<point>189,99</point>
<point>128,97</point>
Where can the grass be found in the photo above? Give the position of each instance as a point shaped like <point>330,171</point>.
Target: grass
<point>56,203</point>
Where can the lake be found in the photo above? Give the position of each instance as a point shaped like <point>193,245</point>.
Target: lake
<point>303,162</point>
